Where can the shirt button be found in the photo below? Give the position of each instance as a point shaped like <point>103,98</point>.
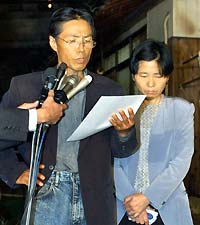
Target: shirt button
<point>51,167</point>
<point>123,147</point>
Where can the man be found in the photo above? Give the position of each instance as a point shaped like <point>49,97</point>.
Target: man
<point>76,182</point>
<point>15,123</point>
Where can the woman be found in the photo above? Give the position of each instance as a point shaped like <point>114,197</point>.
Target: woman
<point>152,178</point>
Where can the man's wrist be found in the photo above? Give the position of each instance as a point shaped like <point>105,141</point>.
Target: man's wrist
<point>42,115</point>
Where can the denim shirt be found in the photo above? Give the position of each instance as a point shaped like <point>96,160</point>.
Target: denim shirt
<point>67,151</point>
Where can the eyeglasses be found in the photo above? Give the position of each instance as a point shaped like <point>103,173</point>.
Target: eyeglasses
<point>87,42</point>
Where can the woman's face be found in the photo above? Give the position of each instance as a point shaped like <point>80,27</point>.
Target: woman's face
<point>150,81</point>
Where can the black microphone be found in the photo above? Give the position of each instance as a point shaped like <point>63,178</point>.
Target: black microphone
<point>53,77</point>
<point>60,73</point>
<point>50,74</point>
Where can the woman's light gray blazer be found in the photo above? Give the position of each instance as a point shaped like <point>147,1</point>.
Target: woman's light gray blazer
<point>171,148</point>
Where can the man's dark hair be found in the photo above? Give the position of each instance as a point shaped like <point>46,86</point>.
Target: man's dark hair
<point>152,50</point>
<point>66,14</point>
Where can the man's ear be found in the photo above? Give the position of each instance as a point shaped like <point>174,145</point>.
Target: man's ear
<point>52,43</point>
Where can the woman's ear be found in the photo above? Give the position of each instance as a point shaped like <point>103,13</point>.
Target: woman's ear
<point>52,43</point>
<point>133,77</point>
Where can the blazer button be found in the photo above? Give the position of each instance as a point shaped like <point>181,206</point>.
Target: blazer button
<point>51,167</point>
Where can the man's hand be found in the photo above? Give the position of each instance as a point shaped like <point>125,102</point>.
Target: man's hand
<point>50,112</point>
<point>135,204</point>
<point>123,126</point>
<point>24,177</point>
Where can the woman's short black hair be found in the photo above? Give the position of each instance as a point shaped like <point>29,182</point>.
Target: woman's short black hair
<point>149,50</point>
<point>66,14</point>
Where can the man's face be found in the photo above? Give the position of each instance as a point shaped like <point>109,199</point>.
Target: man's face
<point>74,44</point>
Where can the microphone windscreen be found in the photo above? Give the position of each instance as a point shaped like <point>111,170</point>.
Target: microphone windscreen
<point>50,77</point>
<point>81,85</point>
<point>71,80</point>
<point>70,83</point>
<point>61,70</point>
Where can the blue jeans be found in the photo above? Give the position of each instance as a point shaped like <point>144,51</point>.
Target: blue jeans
<point>59,201</point>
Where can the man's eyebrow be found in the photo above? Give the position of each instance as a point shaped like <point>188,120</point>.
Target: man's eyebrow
<point>77,36</point>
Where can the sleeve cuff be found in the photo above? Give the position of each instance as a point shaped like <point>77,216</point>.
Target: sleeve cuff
<point>32,119</point>
<point>126,138</point>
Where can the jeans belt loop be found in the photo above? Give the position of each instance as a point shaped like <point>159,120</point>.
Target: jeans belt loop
<point>57,178</point>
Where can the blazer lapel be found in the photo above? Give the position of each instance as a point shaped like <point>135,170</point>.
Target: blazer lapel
<point>91,99</point>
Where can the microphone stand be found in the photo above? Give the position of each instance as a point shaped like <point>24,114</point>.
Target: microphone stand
<point>37,144</point>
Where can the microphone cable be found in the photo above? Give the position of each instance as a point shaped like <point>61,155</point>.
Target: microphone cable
<point>51,83</point>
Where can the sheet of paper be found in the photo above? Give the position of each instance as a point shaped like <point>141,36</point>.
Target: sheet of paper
<point>97,118</point>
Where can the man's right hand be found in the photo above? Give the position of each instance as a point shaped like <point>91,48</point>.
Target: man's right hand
<point>50,112</point>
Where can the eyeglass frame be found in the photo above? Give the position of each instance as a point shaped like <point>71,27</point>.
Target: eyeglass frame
<point>83,42</point>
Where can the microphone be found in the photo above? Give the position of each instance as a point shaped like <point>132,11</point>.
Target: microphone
<point>72,87</point>
<point>50,74</point>
<point>66,84</point>
<point>81,85</point>
<point>65,87</point>
<point>53,77</point>
<point>60,73</point>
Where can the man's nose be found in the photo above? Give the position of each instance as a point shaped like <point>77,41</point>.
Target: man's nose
<point>81,46</point>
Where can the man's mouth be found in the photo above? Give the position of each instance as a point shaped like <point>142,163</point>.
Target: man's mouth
<point>80,60</point>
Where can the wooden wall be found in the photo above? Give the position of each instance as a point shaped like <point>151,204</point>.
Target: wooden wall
<point>185,82</point>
